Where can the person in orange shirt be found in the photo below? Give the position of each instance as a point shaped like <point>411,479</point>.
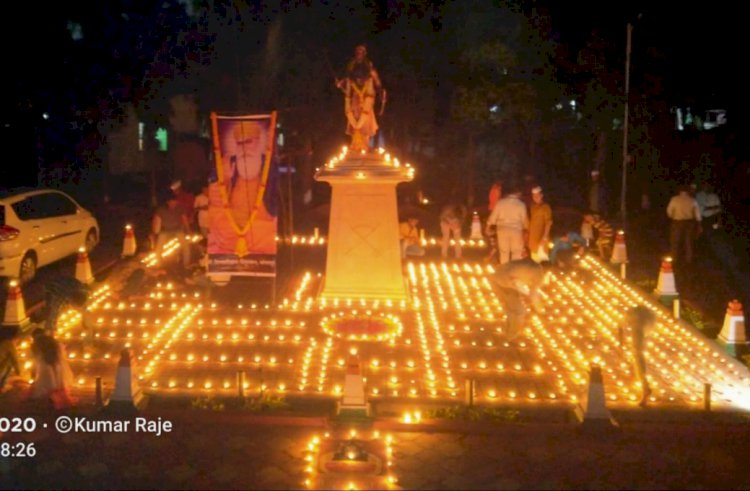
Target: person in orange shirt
<point>540,223</point>
<point>496,192</point>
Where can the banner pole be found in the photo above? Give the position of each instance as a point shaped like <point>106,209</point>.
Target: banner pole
<point>290,208</point>
<point>273,290</point>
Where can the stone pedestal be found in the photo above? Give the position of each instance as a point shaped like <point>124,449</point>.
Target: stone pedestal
<point>363,258</point>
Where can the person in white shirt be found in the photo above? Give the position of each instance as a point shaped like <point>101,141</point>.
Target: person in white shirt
<point>710,207</point>
<point>510,218</point>
<point>685,224</point>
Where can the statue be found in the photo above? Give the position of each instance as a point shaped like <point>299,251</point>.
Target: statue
<point>360,86</point>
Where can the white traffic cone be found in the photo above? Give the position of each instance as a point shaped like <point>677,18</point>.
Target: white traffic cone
<point>15,308</point>
<point>665,286</point>
<point>732,334</point>
<point>127,395</point>
<point>83,267</point>
<point>128,245</point>
<point>354,403</point>
<point>476,227</point>
<point>595,415</point>
<point>620,250</point>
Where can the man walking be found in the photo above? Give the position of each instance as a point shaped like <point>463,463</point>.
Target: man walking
<point>710,207</point>
<point>685,224</point>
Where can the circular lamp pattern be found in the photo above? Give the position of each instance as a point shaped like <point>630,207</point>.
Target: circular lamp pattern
<point>363,326</point>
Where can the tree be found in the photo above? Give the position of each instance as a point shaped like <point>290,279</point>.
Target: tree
<point>503,77</point>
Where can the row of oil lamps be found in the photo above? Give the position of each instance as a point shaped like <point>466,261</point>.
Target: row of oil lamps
<point>576,329</point>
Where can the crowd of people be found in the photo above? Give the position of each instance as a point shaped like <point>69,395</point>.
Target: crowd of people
<point>518,224</point>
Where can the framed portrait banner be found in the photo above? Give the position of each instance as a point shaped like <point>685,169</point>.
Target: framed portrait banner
<point>242,211</point>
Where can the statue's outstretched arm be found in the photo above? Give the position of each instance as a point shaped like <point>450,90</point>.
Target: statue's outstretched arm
<point>376,79</point>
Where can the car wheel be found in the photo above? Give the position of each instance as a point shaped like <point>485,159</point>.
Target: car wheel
<point>27,271</point>
<point>91,240</point>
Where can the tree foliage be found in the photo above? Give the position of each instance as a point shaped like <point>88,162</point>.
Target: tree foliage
<point>474,85</point>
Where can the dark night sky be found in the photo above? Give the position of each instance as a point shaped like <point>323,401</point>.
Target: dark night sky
<point>703,44</point>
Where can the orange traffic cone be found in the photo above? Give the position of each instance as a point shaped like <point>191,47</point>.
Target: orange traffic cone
<point>665,286</point>
<point>127,395</point>
<point>128,246</point>
<point>83,267</point>
<point>15,308</point>
<point>732,334</point>
<point>476,227</point>
<point>620,250</point>
<point>353,403</point>
<point>594,414</point>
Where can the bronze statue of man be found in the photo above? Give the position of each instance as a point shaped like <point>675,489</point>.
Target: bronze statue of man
<point>361,85</point>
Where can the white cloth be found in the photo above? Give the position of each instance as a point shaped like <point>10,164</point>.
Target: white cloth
<point>540,254</point>
<point>51,378</point>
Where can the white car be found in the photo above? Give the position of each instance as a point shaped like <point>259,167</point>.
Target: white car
<point>39,227</point>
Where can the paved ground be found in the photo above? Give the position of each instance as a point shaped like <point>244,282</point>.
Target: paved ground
<point>235,450</point>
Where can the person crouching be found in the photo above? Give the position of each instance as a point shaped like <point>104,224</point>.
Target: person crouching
<point>515,283</point>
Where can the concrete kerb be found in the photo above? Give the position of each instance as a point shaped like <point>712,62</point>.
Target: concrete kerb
<point>681,416</point>
<point>384,414</point>
<point>561,412</point>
